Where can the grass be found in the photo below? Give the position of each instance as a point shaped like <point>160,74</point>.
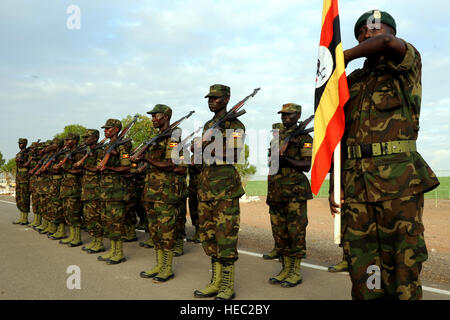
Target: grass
<point>259,188</point>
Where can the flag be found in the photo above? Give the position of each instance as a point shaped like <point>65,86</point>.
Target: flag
<point>330,96</point>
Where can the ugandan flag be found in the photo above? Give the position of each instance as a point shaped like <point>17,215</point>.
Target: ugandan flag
<point>330,96</point>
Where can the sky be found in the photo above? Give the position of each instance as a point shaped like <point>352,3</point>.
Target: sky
<point>126,56</point>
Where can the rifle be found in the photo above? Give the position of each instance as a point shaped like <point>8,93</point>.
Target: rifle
<point>91,151</point>
<point>48,162</point>
<point>137,153</point>
<point>119,141</point>
<point>233,113</point>
<point>40,162</point>
<point>301,129</point>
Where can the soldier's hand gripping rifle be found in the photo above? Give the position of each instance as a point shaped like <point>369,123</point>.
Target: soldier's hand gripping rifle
<point>40,162</point>
<point>139,151</point>
<point>301,129</point>
<point>90,151</point>
<point>48,162</point>
<point>120,140</point>
<point>233,113</point>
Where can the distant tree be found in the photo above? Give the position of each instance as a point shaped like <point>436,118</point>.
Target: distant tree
<point>71,128</point>
<point>2,161</point>
<point>141,131</point>
<point>245,170</point>
<point>10,167</point>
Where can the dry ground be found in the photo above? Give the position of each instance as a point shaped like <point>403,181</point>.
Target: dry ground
<point>256,235</point>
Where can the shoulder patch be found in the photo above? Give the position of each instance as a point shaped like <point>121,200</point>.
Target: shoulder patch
<point>307,145</point>
<point>126,156</point>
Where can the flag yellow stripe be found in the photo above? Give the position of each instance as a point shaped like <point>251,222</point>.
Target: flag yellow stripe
<point>326,7</point>
<point>329,103</point>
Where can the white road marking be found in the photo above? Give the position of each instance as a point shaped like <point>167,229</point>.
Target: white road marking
<point>308,265</point>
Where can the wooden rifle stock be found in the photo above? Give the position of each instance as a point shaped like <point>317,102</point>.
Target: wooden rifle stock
<point>300,130</point>
<point>99,145</point>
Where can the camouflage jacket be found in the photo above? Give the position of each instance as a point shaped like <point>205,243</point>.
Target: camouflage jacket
<point>113,186</point>
<point>70,183</point>
<point>384,106</point>
<point>221,180</point>
<point>90,181</point>
<point>33,179</point>
<point>22,175</point>
<point>160,185</point>
<point>194,173</point>
<point>289,183</point>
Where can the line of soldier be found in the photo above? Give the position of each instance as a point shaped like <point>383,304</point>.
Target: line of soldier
<point>384,179</point>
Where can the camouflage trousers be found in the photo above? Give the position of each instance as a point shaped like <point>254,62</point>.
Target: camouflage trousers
<point>219,225</point>
<point>193,209</point>
<point>389,236</point>
<point>44,202</point>
<point>180,225</point>
<point>289,221</point>
<point>130,212</point>
<point>72,211</point>
<point>54,206</point>
<point>162,217</point>
<point>92,212</point>
<point>35,203</point>
<point>23,197</point>
<point>113,217</point>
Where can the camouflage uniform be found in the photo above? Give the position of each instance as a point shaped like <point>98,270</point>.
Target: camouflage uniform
<point>34,157</point>
<point>161,196</point>
<point>384,178</point>
<point>90,193</point>
<point>288,191</point>
<point>70,191</point>
<point>219,190</point>
<point>114,192</point>
<point>55,206</point>
<point>22,181</point>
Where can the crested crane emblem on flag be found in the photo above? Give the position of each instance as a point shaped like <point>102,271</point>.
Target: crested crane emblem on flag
<point>325,65</point>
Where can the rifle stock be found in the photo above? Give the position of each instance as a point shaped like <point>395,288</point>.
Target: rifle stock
<point>300,130</point>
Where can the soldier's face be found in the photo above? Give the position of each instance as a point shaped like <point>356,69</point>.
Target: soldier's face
<point>217,103</point>
<point>70,143</point>
<point>90,140</point>
<point>158,120</point>
<point>22,146</point>
<point>370,31</point>
<point>111,132</point>
<point>289,119</point>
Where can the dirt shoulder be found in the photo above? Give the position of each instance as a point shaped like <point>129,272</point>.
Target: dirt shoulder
<point>256,234</point>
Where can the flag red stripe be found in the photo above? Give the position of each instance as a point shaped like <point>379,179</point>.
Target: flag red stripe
<point>327,29</point>
<point>334,132</point>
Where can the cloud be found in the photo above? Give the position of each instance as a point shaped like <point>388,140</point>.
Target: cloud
<point>130,55</point>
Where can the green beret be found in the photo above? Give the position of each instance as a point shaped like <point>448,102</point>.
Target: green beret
<point>112,123</point>
<point>374,16</point>
<point>218,90</point>
<point>91,132</point>
<point>161,108</point>
<point>23,140</point>
<point>290,108</point>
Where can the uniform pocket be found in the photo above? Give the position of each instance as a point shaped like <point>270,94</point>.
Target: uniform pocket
<point>386,94</point>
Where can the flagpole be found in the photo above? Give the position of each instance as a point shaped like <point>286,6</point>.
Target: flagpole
<point>337,192</point>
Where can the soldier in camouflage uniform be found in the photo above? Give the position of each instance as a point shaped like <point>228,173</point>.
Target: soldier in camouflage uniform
<point>37,186</point>
<point>180,228</point>
<point>130,207</point>
<point>22,183</point>
<point>70,193</point>
<point>219,191</point>
<point>288,192</point>
<point>113,192</point>
<point>54,208</point>
<point>49,190</point>
<point>273,254</point>
<point>32,160</point>
<point>162,194</point>
<point>384,178</point>
<point>90,192</point>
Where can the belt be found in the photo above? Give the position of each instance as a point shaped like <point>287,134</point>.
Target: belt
<point>56,176</point>
<point>380,149</point>
<point>69,175</point>
<point>22,169</point>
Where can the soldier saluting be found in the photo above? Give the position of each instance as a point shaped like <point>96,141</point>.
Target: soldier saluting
<point>383,176</point>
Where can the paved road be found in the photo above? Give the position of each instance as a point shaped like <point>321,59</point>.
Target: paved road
<point>35,267</point>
